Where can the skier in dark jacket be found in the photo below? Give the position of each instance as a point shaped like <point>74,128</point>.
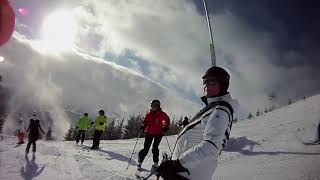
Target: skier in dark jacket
<point>185,122</point>
<point>33,130</point>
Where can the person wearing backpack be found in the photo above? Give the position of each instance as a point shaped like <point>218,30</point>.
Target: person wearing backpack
<point>200,143</point>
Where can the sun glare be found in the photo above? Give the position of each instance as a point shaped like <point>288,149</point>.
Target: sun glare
<point>59,31</point>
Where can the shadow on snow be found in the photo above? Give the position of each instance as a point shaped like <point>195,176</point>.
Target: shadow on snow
<point>31,169</point>
<point>238,145</point>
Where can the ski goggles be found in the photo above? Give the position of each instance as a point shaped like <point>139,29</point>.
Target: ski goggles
<point>154,105</point>
<point>209,81</point>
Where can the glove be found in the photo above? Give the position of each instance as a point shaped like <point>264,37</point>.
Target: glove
<point>101,123</point>
<point>169,169</point>
<point>142,128</point>
<point>165,129</point>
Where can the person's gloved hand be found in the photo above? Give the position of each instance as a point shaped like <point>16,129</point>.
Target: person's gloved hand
<point>165,129</point>
<point>142,128</point>
<point>170,168</point>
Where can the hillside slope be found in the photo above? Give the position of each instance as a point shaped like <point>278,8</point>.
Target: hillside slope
<point>271,145</point>
<point>267,147</point>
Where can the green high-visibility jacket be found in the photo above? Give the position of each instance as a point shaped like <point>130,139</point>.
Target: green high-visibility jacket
<point>101,123</point>
<point>83,123</point>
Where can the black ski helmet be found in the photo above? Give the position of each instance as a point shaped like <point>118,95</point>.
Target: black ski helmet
<point>219,74</point>
<point>101,112</point>
<point>155,102</point>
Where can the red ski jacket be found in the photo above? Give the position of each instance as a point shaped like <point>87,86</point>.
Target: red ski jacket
<point>156,122</point>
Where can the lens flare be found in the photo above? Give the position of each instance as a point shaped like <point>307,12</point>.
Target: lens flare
<point>23,11</point>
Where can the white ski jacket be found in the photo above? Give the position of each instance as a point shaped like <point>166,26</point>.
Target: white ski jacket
<point>199,147</point>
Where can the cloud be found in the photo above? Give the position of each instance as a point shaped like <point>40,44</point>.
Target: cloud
<point>253,58</point>
<point>85,82</point>
<point>164,33</point>
<point>164,46</point>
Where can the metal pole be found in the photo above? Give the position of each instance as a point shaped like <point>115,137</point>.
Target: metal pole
<point>133,151</point>
<point>168,144</point>
<point>213,55</point>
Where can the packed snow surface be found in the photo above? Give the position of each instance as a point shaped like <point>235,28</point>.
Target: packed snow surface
<point>267,147</point>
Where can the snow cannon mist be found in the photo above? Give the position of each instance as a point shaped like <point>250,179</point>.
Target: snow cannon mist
<point>38,96</point>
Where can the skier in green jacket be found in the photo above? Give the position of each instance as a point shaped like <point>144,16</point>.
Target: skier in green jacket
<point>83,125</point>
<point>100,125</point>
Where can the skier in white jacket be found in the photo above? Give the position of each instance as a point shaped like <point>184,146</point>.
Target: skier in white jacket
<point>200,143</point>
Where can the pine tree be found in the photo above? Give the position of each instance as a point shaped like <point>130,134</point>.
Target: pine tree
<point>289,101</point>
<point>89,133</point>
<point>250,115</point>
<point>174,127</point>
<point>119,129</point>
<point>4,100</point>
<point>110,132</point>
<point>70,135</point>
<point>132,129</point>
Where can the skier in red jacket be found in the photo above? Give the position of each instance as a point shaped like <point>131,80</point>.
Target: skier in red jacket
<point>155,125</point>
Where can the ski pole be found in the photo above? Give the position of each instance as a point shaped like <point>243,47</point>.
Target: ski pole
<point>133,151</point>
<point>168,143</point>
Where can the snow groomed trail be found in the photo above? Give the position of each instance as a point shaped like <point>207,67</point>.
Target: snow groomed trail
<point>267,147</point>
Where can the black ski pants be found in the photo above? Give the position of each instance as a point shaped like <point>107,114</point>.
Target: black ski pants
<point>155,147</point>
<point>82,134</point>
<point>34,145</point>
<point>96,138</point>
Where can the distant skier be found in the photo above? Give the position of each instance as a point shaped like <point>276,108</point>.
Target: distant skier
<point>33,130</point>
<point>185,122</point>
<point>200,143</point>
<point>49,134</point>
<point>100,125</point>
<point>83,125</point>
<point>20,131</point>
<point>155,125</point>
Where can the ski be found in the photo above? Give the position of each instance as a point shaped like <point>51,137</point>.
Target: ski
<point>152,172</point>
<point>145,177</point>
<point>139,172</point>
<point>311,143</point>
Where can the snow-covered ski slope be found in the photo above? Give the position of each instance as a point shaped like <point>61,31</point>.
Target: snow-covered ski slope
<point>267,147</point>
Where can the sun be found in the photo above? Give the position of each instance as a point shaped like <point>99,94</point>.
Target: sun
<point>59,31</point>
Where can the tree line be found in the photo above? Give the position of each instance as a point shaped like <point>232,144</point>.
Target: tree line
<point>117,129</point>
